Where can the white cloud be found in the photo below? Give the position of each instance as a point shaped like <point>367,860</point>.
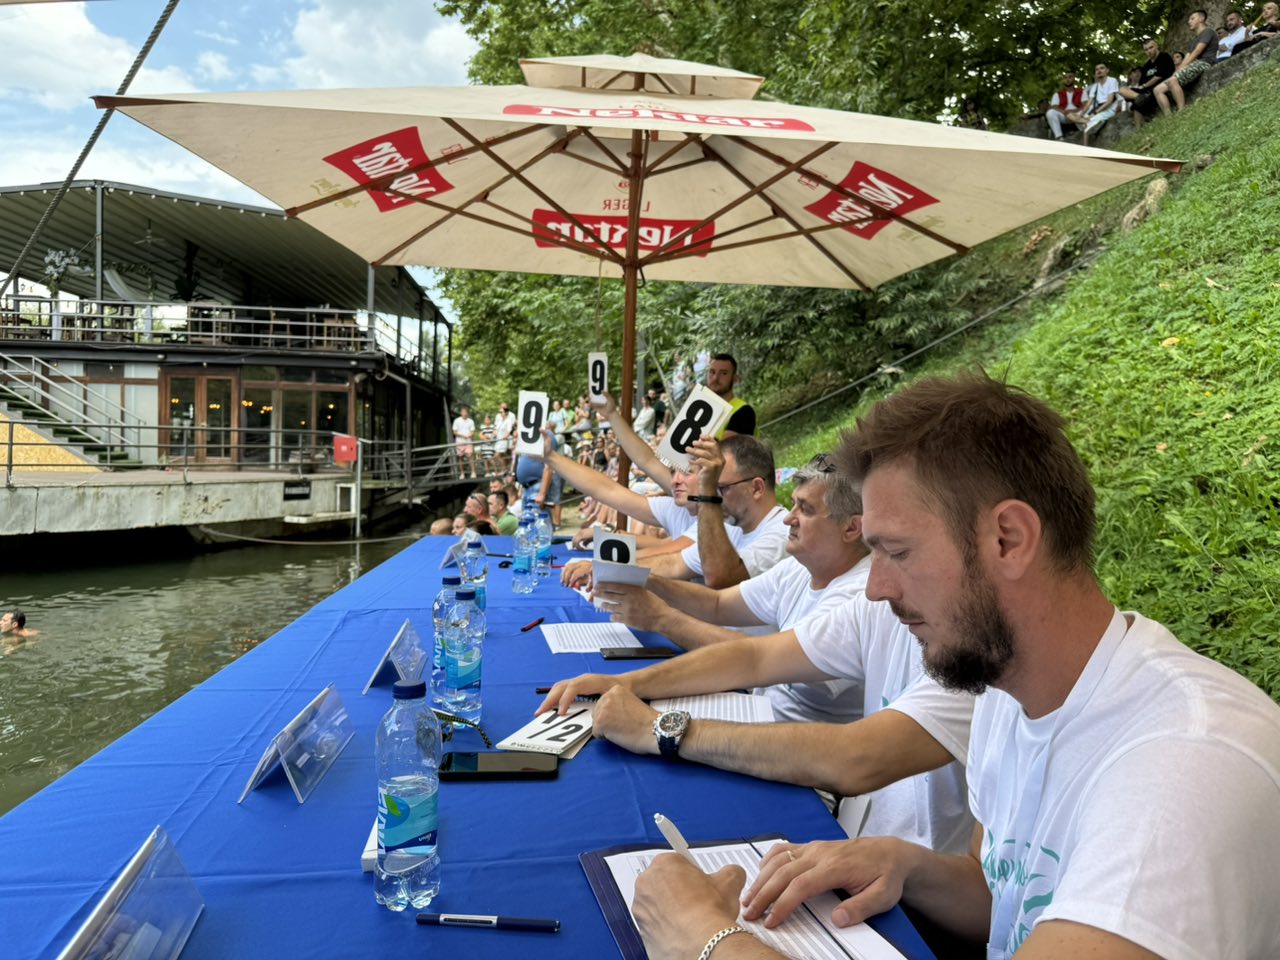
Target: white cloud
<point>218,37</point>
<point>377,43</point>
<point>213,66</point>
<point>56,58</point>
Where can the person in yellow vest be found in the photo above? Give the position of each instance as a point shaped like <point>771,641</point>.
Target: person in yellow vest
<point>722,375</point>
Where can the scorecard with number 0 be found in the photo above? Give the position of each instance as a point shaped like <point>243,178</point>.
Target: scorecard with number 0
<point>552,733</point>
<point>614,547</point>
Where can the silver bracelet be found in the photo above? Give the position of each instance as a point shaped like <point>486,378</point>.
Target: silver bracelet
<point>726,932</point>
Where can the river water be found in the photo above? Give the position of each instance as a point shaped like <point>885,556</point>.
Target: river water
<point>117,643</point>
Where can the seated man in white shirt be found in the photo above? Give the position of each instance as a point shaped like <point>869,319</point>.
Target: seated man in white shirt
<point>1127,789</point>
<point>825,567</point>
<point>1101,100</point>
<point>1236,34</point>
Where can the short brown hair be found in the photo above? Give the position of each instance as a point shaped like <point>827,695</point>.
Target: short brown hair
<point>973,442</point>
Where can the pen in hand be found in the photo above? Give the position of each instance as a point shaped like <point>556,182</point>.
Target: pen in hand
<point>674,837</point>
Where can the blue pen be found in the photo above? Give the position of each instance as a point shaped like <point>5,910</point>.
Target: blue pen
<point>535,924</point>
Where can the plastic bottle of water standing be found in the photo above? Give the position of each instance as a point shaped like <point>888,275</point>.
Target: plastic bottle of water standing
<point>522,559</point>
<point>542,557</point>
<point>463,648</point>
<point>475,571</point>
<point>407,754</point>
<point>439,610</point>
<point>529,508</point>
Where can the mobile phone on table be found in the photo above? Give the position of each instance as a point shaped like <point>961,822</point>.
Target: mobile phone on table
<point>637,653</point>
<point>499,765</point>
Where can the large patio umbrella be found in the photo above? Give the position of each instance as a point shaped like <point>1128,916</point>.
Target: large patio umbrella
<point>623,183</point>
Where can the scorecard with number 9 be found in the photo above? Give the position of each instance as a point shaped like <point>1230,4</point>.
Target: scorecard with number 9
<point>531,415</point>
<point>597,375</point>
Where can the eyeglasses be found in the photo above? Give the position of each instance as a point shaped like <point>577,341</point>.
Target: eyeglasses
<point>823,462</point>
<point>722,487</point>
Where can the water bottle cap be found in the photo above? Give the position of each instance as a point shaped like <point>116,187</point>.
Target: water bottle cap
<point>451,581</point>
<point>409,689</point>
<point>466,594</point>
<point>544,513</point>
<point>526,522</point>
<point>475,545</point>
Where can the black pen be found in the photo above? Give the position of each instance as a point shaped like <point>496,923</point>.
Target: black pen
<point>529,626</point>
<point>535,924</point>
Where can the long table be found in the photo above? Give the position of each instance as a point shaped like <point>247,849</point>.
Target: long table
<point>282,880</point>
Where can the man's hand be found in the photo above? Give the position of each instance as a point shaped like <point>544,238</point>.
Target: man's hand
<point>583,537</point>
<point>576,574</point>
<point>873,870</point>
<point>606,405</point>
<point>548,447</point>
<point>706,457</point>
<point>623,718</point>
<point>678,908</point>
<point>563,694</point>
<point>632,605</point>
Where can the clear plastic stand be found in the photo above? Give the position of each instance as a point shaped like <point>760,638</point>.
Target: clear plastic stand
<point>307,746</point>
<point>406,653</point>
<point>147,914</point>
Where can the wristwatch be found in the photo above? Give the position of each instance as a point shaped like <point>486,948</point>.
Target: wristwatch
<point>704,498</point>
<point>670,728</point>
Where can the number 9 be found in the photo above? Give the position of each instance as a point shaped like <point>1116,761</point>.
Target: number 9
<point>689,429</point>
<point>597,377</point>
<point>530,422</point>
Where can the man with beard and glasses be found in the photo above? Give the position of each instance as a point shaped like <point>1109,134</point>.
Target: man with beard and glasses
<point>1127,789</point>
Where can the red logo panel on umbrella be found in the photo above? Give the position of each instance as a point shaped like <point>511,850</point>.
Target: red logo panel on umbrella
<point>880,190</point>
<point>653,233</point>
<point>385,156</point>
<point>639,112</point>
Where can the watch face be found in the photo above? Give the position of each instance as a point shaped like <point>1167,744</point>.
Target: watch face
<point>673,724</point>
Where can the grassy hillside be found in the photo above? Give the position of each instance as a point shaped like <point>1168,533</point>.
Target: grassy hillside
<point>1165,356</point>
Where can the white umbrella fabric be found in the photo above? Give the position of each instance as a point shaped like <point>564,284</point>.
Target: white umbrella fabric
<point>581,182</point>
<point>641,73</point>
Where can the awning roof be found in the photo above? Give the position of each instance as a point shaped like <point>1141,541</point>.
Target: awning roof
<point>246,255</point>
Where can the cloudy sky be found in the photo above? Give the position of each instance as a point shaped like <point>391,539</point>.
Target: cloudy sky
<point>57,55</point>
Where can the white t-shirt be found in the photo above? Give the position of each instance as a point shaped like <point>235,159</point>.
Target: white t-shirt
<point>863,641</point>
<point>1097,93</point>
<point>464,428</point>
<point>781,598</point>
<point>676,520</point>
<point>1228,43</point>
<point>503,428</point>
<point>1151,803</point>
<point>762,548</point>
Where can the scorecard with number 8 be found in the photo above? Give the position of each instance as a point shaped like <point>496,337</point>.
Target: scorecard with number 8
<point>702,415</point>
<point>552,733</point>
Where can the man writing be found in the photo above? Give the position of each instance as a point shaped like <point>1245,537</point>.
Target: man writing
<point>1108,762</point>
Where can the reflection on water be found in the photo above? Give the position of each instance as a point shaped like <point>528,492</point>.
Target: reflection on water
<point>118,643</point>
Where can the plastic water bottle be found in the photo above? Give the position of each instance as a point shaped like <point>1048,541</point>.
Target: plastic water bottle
<point>439,612</point>
<point>522,559</point>
<point>407,753</point>
<point>542,557</point>
<point>475,571</point>
<point>463,648</point>
<point>529,510</point>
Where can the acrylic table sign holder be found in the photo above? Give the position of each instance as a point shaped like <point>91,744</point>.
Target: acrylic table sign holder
<point>406,654</point>
<point>307,746</point>
<point>148,912</point>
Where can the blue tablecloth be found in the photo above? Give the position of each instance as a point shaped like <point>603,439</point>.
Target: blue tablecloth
<point>283,881</point>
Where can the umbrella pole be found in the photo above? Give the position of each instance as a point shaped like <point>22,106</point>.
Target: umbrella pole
<point>630,280</point>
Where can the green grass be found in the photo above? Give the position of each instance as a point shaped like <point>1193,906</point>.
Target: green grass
<point>1164,354</point>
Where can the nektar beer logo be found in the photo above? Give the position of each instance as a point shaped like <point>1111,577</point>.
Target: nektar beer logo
<point>387,155</point>
<point>652,232</point>
<point>880,190</point>
<point>656,113</point>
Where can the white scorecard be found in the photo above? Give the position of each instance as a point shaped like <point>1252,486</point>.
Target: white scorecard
<point>531,417</point>
<point>552,733</point>
<point>614,547</point>
<point>703,414</point>
<point>597,375</point>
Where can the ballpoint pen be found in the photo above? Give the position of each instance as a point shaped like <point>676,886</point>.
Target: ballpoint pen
<point>674,837</point>
<point>529,626</point>
<point>534,924</point>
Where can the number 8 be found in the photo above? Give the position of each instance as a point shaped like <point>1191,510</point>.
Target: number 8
<point>689,429</point>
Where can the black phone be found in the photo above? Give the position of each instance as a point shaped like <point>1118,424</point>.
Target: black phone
<point>499,765</point>
<point>637,653</point>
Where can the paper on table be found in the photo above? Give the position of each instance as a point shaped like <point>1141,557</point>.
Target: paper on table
<point>587,637</point>
<point>736,707</point>
<point>807,933</point>
<point>606,571</point>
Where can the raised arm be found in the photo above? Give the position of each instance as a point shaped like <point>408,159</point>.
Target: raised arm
<point>595,484</point>
<point>721,565</point>
<point>634,445</point>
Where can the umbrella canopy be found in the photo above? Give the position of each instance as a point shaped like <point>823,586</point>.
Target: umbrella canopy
<point>580,182</point>
<point>641,73</point>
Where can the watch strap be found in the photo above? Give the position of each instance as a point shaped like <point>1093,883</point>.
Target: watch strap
<point>704,498</point>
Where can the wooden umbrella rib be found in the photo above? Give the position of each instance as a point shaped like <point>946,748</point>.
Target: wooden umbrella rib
<point>536,190</point>
<point>675,149</point>
<point>558,144</point>
<point>745,181</point>
<point>684,252</point>
<point>619,167</point>
<point>381,183</point>
<point>753,191</point>
<point>879,212</point>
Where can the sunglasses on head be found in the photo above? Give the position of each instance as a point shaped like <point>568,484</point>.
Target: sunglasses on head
<point>823,462</point>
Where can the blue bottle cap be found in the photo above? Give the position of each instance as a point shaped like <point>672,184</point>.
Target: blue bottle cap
<point>409,689</point>
<point>466,594</point>
<point>451,581</point>
<point>475,545</point>
<point>544,513</point>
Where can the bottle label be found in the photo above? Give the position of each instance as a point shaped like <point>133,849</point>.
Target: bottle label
<point>460,675</point>
<point>481,596</point>
<point>544,554</point>
<point>407,822</point>
<point>522,563</point>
